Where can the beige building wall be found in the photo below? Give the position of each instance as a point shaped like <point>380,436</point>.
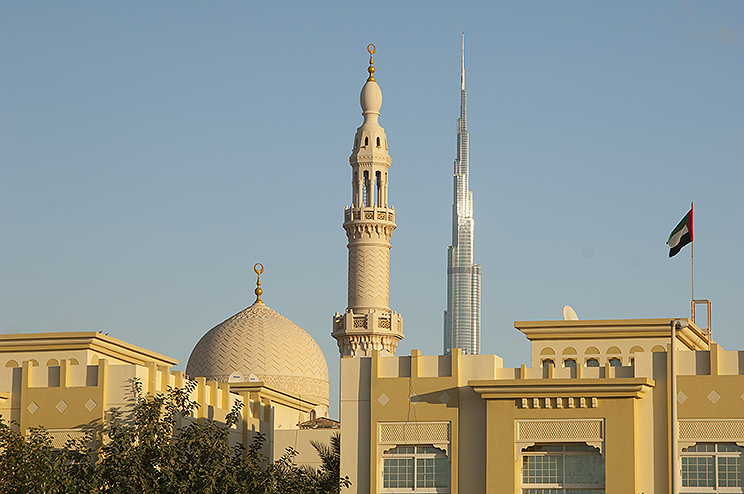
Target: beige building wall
<point>300,441</point>
<point>484,416</point>
<point>70,382</point>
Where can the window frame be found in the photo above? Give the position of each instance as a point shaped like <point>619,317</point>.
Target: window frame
<point>716,454</point>
<point>562,485</point>
<point>416,456</point>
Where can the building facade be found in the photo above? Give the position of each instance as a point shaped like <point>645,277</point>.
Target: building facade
<point>462,318</point>
<point>463,423</point>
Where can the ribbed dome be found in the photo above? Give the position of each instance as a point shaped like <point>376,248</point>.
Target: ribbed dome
<point>265,346</point>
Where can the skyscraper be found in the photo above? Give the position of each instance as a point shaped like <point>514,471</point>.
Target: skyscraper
<point>462,317</point>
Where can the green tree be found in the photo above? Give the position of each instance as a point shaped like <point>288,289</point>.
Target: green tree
<point>329,474</point>
<point>31,464</point>
<point>145,452</point>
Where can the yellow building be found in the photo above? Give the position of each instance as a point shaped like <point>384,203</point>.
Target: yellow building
<point>462,423</point>
<point>69,382</point>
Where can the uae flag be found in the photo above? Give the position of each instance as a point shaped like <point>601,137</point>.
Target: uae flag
<point>681,235</point>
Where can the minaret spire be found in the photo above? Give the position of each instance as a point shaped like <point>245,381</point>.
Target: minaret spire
<point>368,323</point>
<point>462,317</point>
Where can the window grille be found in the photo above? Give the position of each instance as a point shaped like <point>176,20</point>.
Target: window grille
<point>562,469</point>
<point>713,467</point>
<point>415,469</point>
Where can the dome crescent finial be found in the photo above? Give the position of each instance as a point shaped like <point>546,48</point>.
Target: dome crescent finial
<point>371,49</point>
<point>258,268</point>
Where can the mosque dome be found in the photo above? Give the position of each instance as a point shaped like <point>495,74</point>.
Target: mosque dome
<point>259,344</point>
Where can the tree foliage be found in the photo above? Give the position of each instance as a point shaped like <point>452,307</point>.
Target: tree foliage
<point>146,452</point>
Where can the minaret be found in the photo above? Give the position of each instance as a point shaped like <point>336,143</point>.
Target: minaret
<point>462,317</point>
<point>368,323</point>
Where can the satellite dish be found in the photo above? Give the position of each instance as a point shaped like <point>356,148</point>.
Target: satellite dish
<point>569,314</point>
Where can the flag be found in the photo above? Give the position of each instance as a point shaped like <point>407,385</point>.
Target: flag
<point>681,235</point>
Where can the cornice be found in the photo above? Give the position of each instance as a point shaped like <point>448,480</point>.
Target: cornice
<point>98,342</point>
<point>549,388</point>
<point>692,336</point>
<point>276,395</point>
<point>366,226</point>
<point>370,160</point>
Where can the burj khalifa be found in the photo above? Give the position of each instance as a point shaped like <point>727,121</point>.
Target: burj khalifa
<point>462,317</point>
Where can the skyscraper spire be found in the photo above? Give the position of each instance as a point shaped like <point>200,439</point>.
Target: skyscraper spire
<point>462,317</point>
<point>368,323</point>
<point>462,77</point>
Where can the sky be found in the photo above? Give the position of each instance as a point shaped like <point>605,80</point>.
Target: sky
<point>152,152</point>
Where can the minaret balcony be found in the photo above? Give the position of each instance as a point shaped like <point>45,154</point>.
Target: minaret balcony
<point>369,213</point>
<point>368,322</point>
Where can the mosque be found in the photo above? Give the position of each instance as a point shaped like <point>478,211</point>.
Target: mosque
<point>607,406</point>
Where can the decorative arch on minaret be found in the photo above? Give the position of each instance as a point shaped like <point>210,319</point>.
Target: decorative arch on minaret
<point>368,323</point>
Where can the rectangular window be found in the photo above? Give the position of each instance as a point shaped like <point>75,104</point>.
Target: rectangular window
<point>562,469</point>
<point>415,469</point>
<point>714,467</point>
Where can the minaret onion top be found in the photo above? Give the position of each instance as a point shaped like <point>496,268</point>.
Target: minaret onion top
<point>258,268</point>
<point>371,96</point>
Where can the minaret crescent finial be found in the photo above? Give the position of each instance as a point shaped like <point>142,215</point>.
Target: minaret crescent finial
<point>258,268</point>
<point>371,49</point>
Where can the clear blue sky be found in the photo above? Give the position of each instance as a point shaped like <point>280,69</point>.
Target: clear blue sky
<point>152,152</point>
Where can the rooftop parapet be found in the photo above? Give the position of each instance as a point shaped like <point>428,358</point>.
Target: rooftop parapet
<point>691,336</point>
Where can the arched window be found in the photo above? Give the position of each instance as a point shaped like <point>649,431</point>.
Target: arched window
<point>366,141</point>
<point>53,375</point>
<point>548,362</point>
<point>592,362</point>
<point>569,362</point>
<point>378,188</point>
<point>615,362</point>
<point>378,142</point>
<point>365,189</point>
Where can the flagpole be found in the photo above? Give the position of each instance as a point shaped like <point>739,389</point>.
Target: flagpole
<point>692,267</point>
<point>692,263</point>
